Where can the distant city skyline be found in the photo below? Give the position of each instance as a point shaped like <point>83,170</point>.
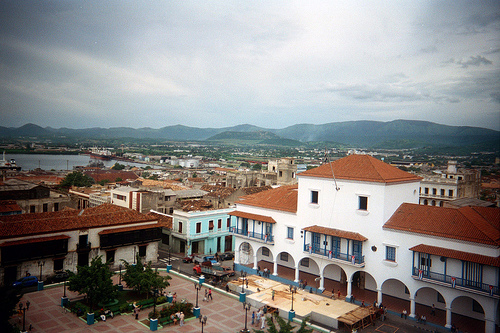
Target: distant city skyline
<point>267,63</point>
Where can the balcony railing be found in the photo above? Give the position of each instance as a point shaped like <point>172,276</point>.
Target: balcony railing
<point>455,282</point>
<point>267,238</point>
<point>83,246</point>
<point>360,260</point>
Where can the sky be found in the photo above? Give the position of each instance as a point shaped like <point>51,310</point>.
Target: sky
<point>272,64</point>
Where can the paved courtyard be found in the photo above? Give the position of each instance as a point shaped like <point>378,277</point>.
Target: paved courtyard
<point>225,314</point>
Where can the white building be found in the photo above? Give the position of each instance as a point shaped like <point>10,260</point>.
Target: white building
<point>356,225</point>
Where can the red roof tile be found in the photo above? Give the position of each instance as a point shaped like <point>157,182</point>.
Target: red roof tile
<point>34,240</point>
<point>336,232</point>
<point>7,206</point>
<point>65,220</point>
<point>163,220</point>
<point>473,224</point>
<point>255,217</point>
<point>460,255</point>
<point>363,168</point>
<point>138,227</point>
<point>282,198</point>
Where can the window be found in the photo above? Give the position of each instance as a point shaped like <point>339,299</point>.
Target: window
<point>45,207</point>
<point>284,256</point>
<point>56,206</point>
<point>289,232</point>
<point>281,173</point>
<point>110,256</point>
<point>32,209</point>
<point>442,192</point>
<point>58,264</point>
<point>407,291</point>
<point>142,250</point>
<point>426,190</point>
<point>314,197</point>
<point>211,225</point>
<point>363,203</point>
<point>434,191</point>
<point>440,298</point>
<point>167,198</point>
<point>198,227</point>
<point>228,222</point>
<point>180,227</point>
<point>390,253</point>
<point>450,193</point>
<point>476,307</point>
<point>305,262</point>
<point>426,262</point>
<point>265,252</point>
<point>426,202</point>
<point>219,224</point>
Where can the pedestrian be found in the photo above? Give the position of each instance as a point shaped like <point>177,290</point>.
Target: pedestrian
<point>181,319</point>
<point>136,314</point>
<point>253,318</point>
<point>272,294</point>
<point>210,294</point>
<point>30,328</point>
<point>247,282</point>
<point>263,320</point>
<point>305,284</point>
<point>433,310</point>
<point>338,295</point>
<point>27,305</point>
<point>405,314</point>
<point>258,270</point>
<point>258,316</point>
<point>174,297</point>
<point>424,319</point>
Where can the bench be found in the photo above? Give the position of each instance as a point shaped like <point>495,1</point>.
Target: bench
<point>165,321</point>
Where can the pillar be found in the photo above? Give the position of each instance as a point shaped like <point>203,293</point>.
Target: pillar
<point>296,274</point>
<point>379,296</point>
<point>489,325</point>
<point>349,290</point>
<point>448,317</point>
<point>275,268</point>
<point>321,282</point>
<point>236,257</point>
<point>412,307</point>
<point>255,266</point>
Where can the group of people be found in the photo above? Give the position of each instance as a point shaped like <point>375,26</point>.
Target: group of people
<point>208,295</point>
<point>178,317</point>
<point>259,317</point>
<point>302,284</point>
<point>265,273</point>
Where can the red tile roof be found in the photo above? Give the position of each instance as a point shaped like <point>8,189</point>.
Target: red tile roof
<point>336,232</point>
<point>473,224</point>
<point>218,191</point>
<point>66,220</point>
<point>163,220</point>
<point>34,240</point>
<point>138,227</point>
<point>110,175</point>
<point>282,198</point>
<point>362,168</point>
<point>7,206</point>
<point>255,217</point>
<point>460,255</point>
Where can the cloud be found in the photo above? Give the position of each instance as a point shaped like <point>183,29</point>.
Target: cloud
<point>474,61</point>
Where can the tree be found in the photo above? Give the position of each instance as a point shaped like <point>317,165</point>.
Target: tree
<point>94,281</point>
<point>8,307</point>
<point>257,167</point>
<point>118,166</point>
<point>284,326</point>
<point>76,179</point>
<point>142,278</point>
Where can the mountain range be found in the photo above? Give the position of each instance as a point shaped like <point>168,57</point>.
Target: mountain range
<point>368,134</point>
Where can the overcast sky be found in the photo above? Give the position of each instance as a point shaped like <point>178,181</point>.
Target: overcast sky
<point>272,64</point>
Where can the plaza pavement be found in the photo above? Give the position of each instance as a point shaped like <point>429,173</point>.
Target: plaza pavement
<point>224,313</point>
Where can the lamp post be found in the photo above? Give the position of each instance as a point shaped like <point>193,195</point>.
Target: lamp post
<point>291,314</point>
<point>247,307</point>
<point>196,310</point>
<point>40,264</point>
<point>243,297</point>
<point>120,276</point>
<point>203,322</point>
<point>23,309</point>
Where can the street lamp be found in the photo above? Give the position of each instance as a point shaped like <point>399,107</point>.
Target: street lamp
<point>169,257</point>
<point>243,275</point>
<point>203,322</point>
<point>64,288</point>
<point>196,310</point>
<point>120,276</point>
<point>23,309</point>
<point>293,290</point>
<point>41,263</point>
<point>247,307</point>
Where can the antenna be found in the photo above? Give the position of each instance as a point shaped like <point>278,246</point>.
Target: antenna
<point>327,160</point>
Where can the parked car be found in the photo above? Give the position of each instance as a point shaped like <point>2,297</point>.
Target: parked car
<point>61,276</point>
<point>227,256</point>
<point>200,259</point>
<point>188,258</point>
<point>26,281</point>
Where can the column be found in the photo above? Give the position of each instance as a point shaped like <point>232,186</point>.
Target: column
<point>349,290</point>
<point>489,325</point>
<point>296,274</point>
<point>236,257</point>
<point>255,266</point>
<point>379,296</point>
<point>275,268</point>
<point>321,282</point>
<point>412,307</point>
<point>448,317</point>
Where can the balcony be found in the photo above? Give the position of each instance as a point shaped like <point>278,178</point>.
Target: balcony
<point>83,247</point>
<point>461,284</point>
<point>344,258</point>
<point>262,238</point>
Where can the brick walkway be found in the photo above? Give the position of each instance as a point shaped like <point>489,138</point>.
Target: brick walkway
<point>225,313</point>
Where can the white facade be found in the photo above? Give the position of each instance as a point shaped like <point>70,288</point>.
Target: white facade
<point>352,213</point>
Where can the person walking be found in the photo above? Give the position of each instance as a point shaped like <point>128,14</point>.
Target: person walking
<point>433,310</point>
<point>181,319</point>
<point>210,294</point>
<point>27,305</point>
<point>263,322</point>
<point>272,294</point>
<point>253,318</point>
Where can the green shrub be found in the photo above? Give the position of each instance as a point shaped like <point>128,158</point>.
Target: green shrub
<point>161,299</point>
<point>125,307</point>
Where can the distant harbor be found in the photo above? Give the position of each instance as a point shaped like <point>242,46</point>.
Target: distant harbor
<point>58,162</point>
